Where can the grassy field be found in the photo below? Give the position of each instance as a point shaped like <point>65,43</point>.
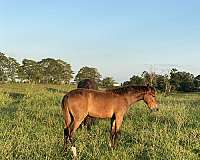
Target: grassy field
<point>31,127</point>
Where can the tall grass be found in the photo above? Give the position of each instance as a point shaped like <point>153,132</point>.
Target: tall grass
<point>31,127</point>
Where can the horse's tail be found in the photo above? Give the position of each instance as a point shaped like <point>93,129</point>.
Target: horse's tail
<point>67,116</point>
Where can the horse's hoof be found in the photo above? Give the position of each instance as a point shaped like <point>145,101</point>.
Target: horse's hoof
<point>110,144</point>
<point>74,151</point>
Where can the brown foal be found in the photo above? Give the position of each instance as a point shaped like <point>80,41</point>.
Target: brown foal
<point>113,103</point>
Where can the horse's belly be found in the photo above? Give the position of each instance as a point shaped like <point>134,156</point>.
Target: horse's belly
<point>100,112</point>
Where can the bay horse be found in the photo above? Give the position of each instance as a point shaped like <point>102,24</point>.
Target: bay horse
<point>88,84</point>
<point>113,103</point>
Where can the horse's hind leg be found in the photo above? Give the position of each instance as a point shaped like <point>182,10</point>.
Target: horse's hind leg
<point>74,128</point>
<point>119,119</point>
<point>113,129</point>
<point>68,122</point>
<point>76,124</point>
<point>66,136</point>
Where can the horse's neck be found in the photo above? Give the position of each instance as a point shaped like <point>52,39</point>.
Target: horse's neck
<point>133,97</point>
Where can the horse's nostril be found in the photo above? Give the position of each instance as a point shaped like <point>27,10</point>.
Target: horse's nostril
<point>157,109</point>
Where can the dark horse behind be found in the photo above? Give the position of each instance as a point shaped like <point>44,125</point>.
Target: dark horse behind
<point>88,84</point>
<point>113,104</point>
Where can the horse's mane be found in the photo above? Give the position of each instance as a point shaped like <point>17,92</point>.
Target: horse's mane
<point>126,89</point>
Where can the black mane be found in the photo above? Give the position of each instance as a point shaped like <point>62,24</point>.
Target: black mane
<point>136,89</point>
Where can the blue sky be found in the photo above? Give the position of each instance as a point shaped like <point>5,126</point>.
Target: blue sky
<point>120,38</point>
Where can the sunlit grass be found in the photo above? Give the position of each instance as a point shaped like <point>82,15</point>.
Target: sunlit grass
<point>31,127</point>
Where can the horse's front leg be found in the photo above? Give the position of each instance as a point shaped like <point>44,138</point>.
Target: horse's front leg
<point>118,123</point>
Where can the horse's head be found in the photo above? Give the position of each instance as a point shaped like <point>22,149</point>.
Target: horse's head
<point>150,99</point>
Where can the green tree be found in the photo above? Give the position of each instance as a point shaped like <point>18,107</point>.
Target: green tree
<point>31,71</point>
<point>65,72</point>
<point>8,68</point>
<point>3,66</point>
<point>168,86</point>
<point>197,82</point>
<point>160,82</point>
<point>182,81</point>
<point>173,79</point>
<point>13,69</point>
<point>135,80</point>
<point>107,82</point>
<point>88,72</point>
<point>149,78</point>
<point>55,71</point>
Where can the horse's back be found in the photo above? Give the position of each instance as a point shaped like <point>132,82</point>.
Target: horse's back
<point>100,104</point>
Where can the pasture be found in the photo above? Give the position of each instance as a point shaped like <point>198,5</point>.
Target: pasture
<point>31,127</point>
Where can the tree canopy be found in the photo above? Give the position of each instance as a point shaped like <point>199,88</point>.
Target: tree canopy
<point>57,71</point>
<point>9,68</point>
<point>47,70</point>
<point>107,82</point>
<point>88,73</point>
<point>177,81</point>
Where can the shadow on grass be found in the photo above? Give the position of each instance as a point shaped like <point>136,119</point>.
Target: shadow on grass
<point>127,138</point>
<point>11,109</point>
<point>54,90</point>
<point>196,151</point>
<point>16,96</point>
<point>163,120</point>
<point>144,155</point>
<point>195,103</point>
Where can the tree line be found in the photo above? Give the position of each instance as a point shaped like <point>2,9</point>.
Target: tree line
<point>175,81</point>
<point>45,71</point>
<point>56,71</point>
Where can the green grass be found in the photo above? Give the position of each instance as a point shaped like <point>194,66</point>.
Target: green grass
<point>31,127</point>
